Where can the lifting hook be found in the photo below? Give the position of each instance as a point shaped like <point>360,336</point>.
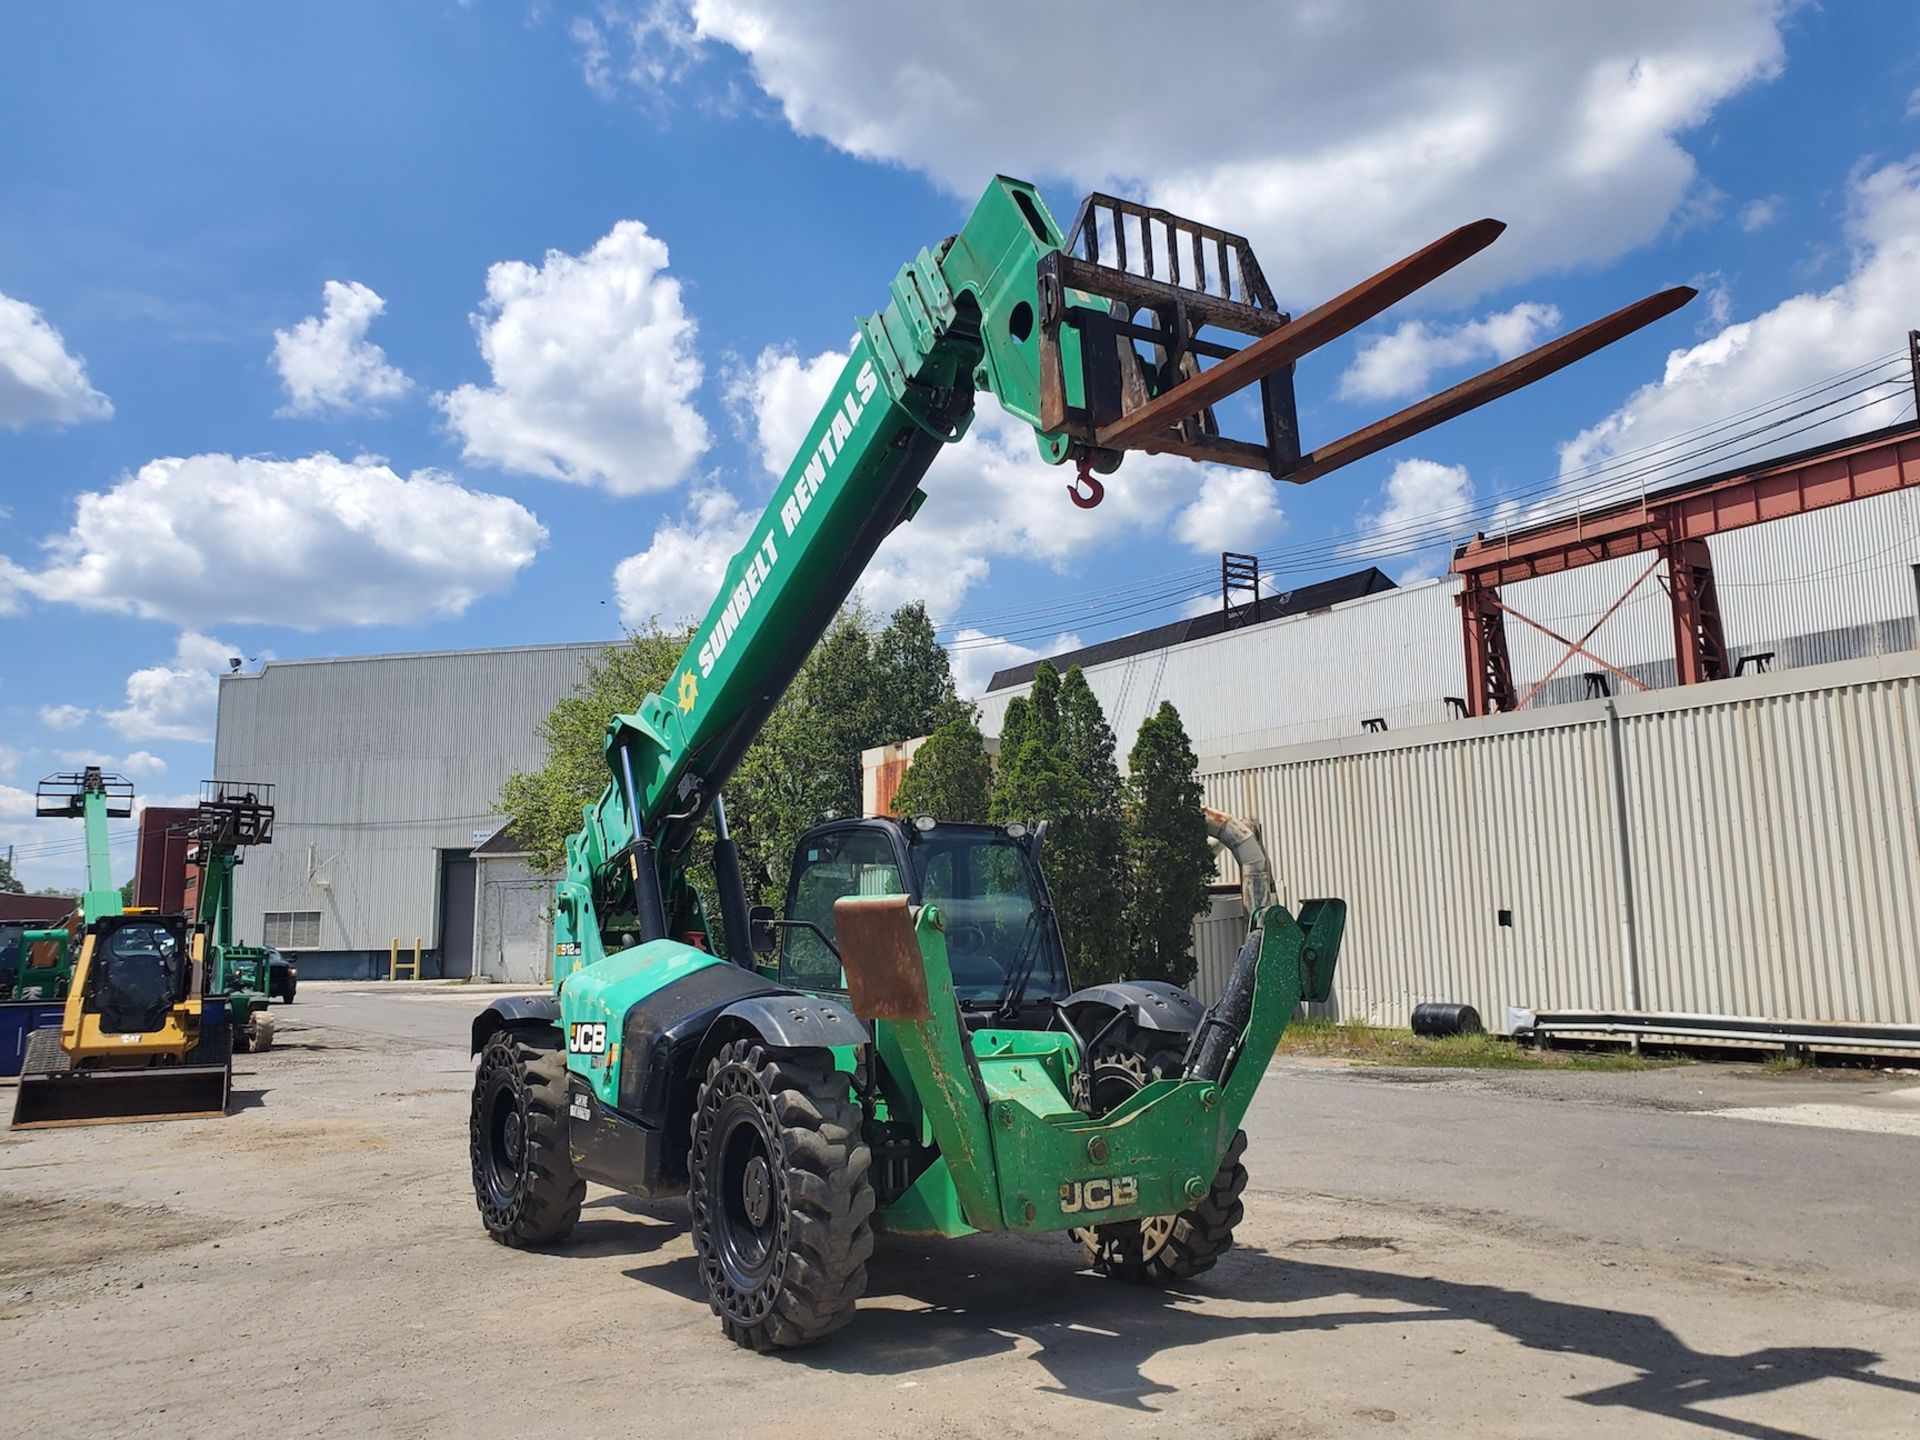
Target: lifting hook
<point>1086,492</point>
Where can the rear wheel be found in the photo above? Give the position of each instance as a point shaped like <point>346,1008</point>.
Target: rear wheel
<point>780,1194</point>
<point>1162,1249</point>
<point>523,1177</point>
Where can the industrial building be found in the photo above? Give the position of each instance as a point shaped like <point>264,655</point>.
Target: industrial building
<point>1336,716</point>
<point>386,772</point>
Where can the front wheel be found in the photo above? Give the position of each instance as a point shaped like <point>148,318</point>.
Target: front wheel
<point>780,1195</point>
<point>523,1178</point>
<point>1162,1249</point>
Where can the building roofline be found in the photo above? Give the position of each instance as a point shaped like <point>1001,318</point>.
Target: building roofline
<point>421,655</point>
<point>1314,598</point>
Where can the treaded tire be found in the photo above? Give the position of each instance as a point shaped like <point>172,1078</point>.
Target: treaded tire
<point>1166,1249</point>
<point>781,1195</point>
<point>523,1178</point>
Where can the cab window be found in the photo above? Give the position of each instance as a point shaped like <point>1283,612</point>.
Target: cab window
<point>851,862</point>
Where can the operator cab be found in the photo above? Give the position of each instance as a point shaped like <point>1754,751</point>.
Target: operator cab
<point>1003,943</point>
<point>140,970</point>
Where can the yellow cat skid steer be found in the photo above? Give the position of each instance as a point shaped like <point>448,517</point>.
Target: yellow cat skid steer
<point>137,1040</point>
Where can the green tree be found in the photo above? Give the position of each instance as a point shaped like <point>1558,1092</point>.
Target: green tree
<point>126,895</point>
<point>543,806</point>
<point>912,679</point>
<point>9,883</point>
<point>1168,861</point>
<point>1061,770</point>
<point>950,777</point>
<point>862,686</point>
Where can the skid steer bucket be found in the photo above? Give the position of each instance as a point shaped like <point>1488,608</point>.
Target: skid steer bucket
<point>54,1094</point>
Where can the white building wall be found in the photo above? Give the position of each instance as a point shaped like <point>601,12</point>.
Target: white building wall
<point>1815,588</point>
<point>1772,832</point>
<point>380,764</point>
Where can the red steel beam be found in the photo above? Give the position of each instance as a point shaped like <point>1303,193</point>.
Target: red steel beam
<point>1878,464</point>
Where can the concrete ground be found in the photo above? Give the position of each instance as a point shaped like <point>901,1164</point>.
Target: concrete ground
<point>1695,1251</point>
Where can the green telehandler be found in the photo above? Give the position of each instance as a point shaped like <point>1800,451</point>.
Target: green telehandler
<point>232,815</point>
<point>902,1048</point>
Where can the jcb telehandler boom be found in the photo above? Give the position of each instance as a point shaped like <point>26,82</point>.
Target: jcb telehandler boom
<point>915,1057</point>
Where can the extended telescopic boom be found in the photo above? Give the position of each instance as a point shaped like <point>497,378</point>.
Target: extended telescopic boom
<point>1116,336</point>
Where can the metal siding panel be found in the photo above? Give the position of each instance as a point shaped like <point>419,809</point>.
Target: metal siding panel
<point>379,764</point>
<point>1773,835</point>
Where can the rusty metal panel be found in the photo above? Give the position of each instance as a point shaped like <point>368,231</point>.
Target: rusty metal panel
<point>886,977</point>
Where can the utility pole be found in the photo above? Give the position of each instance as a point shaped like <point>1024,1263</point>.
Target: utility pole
<point>1913,359</point>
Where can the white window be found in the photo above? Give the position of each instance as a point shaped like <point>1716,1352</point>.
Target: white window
<point>293,929</point>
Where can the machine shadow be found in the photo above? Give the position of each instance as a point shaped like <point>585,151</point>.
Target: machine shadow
<point>980,1297</point>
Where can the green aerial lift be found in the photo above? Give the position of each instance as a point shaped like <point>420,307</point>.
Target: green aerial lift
<point>903,1049</point>
<point>232,815</point>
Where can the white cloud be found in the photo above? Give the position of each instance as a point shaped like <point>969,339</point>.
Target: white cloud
<point>594,369</point>
<point>307,543</point>
<point>1367,142</point>
<point>1913,105</point>
<point>676,577</point>
<point>654,40</point>
<point>1237,510</point>
<point>989,496</point>
<point>779,397</point>
<point>1759,214</point>
<point>63,717</point>
<point>174,700</point>
<point>40,380</point>
<point>1418,498</point>
<point>1421,491</point>
<point>139,764</point>
<point>326,362</point>
<point>1797,344</point>
<point>977,655</point>
<point>10,759</point>
<point>1401,362</point>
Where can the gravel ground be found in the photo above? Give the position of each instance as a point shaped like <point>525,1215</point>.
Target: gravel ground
<point>314,1259</point>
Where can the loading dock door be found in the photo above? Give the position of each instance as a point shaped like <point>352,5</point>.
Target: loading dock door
<point>456,916</point>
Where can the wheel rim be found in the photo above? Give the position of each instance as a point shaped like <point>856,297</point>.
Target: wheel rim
<point>745,1199</point>
<point>506,1150</point>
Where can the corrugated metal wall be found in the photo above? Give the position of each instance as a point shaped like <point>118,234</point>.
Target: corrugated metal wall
<point>380,765</point>
<point>1772,829</point>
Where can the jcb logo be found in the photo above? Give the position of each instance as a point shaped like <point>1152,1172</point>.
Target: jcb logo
<point>587,1037</point>
<point>1079,1196</point>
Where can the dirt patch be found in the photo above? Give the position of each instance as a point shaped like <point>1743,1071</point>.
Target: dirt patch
<point>44,1238</point>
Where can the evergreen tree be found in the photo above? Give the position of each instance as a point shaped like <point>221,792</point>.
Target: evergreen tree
<point>912,678</point>
<point>1168,860</point>
<point>1053,767</point>
<point>950,777</point>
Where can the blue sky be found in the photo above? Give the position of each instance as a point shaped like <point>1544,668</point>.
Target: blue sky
<point>607,253</point>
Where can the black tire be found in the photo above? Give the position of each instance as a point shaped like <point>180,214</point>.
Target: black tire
<point>781,1195</point>
<point>243,1040</point>
<point>523,1178</point>
<point>1165,1249</point>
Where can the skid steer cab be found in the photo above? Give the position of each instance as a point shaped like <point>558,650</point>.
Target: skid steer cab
<point>905,1051</point>
<point>136,1040</point>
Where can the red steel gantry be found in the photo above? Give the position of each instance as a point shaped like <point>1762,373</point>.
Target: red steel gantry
<point>1674,524</point>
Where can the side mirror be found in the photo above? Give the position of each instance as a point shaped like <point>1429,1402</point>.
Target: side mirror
<point>761,934</point>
